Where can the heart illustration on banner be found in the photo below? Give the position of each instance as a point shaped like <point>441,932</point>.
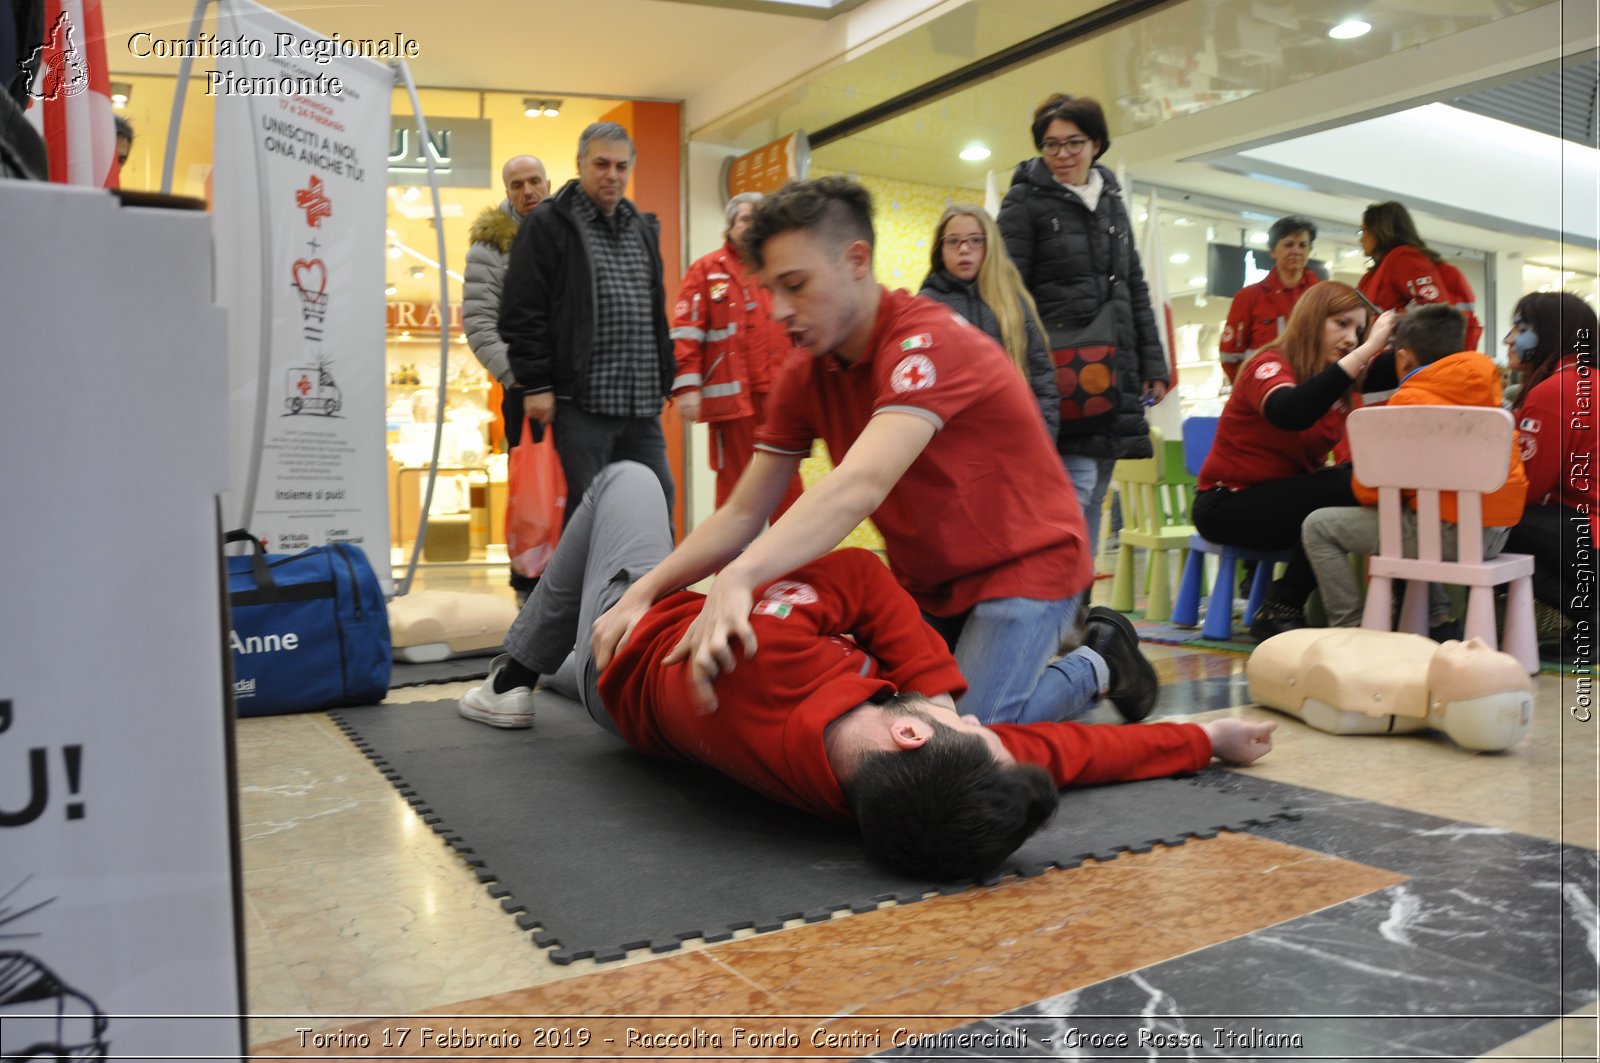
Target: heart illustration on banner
<point>311,277</point>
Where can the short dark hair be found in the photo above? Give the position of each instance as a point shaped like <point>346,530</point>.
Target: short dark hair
<point>1294,223</point>
<point>1081,111</point>
<point>838,206</point>
<point>604,131</point>
<point>123,127</point>
<point>1431,332</point>
<point>946,810</point>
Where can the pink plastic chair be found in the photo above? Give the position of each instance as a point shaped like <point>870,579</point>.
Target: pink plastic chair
<point>1431,449</point>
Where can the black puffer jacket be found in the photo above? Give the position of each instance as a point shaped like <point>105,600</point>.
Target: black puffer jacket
<point>964,299</point>
<point>1068,258</point>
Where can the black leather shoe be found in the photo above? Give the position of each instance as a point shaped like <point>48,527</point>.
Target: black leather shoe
<point>1133,681</point>
<point>1274,618</point>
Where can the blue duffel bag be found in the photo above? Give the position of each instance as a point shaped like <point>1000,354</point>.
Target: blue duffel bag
<point>309,631</point>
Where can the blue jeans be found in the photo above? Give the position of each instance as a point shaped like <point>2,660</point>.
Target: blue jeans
<point>1090,478</point>
<point>1005,648</point>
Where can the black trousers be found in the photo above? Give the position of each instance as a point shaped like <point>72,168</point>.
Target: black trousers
<point>1561,543</point>
<point>1268,517</point>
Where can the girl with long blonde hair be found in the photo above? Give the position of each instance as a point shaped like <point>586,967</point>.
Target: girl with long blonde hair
<point>973,276</point>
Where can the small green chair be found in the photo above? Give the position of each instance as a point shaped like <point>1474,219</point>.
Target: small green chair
<point>1157,496</point>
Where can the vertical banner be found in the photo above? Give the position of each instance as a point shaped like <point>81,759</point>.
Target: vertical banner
<point>1167,414</point>
<point>302,136</point>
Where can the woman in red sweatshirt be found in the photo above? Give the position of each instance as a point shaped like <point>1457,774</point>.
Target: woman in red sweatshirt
<point>1551,343</point>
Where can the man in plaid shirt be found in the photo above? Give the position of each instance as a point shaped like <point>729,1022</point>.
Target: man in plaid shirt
<point>584,318</point>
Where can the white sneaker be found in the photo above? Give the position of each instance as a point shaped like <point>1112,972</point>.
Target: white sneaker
<point>514,708</point>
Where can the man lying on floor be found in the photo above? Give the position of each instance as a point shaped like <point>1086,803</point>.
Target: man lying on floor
<point>847,712</point>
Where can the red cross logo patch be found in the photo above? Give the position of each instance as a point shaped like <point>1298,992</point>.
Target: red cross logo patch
<point>913,374</point>
<point>1268,370</point>
<point>791,592</point>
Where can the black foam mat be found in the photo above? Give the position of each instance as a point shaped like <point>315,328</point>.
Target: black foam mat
<point>599,850</point>
<point>454,670</point>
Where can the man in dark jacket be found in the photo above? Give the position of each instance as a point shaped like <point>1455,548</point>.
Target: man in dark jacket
<point>583,315</point>
<point>1067,229</point>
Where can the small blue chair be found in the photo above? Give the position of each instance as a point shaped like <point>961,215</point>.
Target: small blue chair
<point>1198,435</point>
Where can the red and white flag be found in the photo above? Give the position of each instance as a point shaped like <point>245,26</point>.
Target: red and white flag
<point>70,95</point>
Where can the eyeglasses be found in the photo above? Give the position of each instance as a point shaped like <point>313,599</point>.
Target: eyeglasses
<point>1070,146</point>
<point>956,243</point>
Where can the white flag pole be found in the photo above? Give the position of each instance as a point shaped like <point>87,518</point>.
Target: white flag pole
<point>403,73</point>
<point>180,90</point>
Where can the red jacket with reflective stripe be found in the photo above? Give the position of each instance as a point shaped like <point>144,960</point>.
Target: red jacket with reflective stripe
<point>724,338</point>
<point>1407,277</point>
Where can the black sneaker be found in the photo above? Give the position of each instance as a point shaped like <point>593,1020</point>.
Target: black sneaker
<point>1133,681</point>
<point>1274,618</point>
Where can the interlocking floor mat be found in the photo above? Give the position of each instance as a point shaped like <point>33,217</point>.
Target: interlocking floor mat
<point>455,670</point>
<point>600,850</point>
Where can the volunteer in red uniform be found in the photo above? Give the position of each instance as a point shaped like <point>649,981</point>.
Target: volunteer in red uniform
<point>936,438</point>
<point>1407,272</point>
<point>728,350</point>
<point>1268,468</point>
<point>1552,345</point>
<point>1261,310</point>
<point>845,713</point>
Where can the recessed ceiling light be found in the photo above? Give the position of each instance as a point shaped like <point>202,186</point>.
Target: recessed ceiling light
<point>1350,29</point>
<point>416,273</point>
<point>1197,282</point>
<point>974,153</point>
<point>394,252</point>
<point>1182,221</point>
<point>1179,259</point>
<point>390,290</point>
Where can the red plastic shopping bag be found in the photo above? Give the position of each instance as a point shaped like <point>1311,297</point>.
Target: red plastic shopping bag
<point>536,501</point>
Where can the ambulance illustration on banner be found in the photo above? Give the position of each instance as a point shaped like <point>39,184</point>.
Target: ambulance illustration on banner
<point>311,389</point>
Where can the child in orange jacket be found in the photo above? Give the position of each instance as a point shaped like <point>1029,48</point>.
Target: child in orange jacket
<point>1434,371</point>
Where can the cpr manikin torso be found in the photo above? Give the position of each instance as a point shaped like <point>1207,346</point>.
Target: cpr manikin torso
<point>1356,681</point>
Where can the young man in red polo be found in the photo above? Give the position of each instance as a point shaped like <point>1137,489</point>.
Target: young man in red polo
<point>934,437</point>
<point>847,712</point>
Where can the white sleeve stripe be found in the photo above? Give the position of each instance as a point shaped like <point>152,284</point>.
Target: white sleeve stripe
<point>686,380</point>
<point>938,422</point>
<point>770,449</point>
<point>688,332</point>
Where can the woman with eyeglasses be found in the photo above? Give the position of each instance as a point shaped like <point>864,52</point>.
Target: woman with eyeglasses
<point>986,290</point>
<point>1407,272</point>
<point>1067,229</point>
<point>1551,345</point>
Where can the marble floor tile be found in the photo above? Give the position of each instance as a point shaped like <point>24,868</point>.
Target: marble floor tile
<point>1573,1037</point>
<point>353,906</point>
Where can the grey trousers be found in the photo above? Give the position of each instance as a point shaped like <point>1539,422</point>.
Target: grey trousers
<point>618,532</point>
<point>1331,535</point>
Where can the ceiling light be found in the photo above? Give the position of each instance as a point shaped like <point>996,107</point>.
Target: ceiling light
<point>1179,259</point>
<point>411,193</point>
<point>394,251</point>
<point>1144,215</point>
<point>552,109</point>
<point>390,290</point>
<point>405,334</point>
<point>1197,282</point>
<point>416,273</point>
<point>535,107</point>
<point>1182,221</point>
<point>1350,29</point>
<point>120,91</point>
<point>1258,237</point>
<point>974,153</point>
<point>1352,253</point>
